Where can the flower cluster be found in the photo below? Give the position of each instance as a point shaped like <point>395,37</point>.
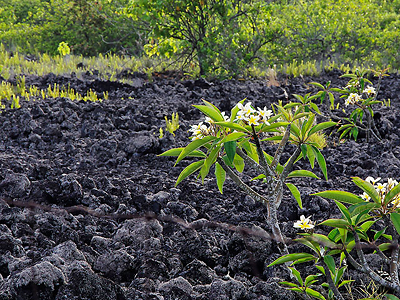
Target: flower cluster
<point>304,223</point>
<point>352,99</point>
<point>370,91</point>
<point>355,98</point>
<point>381,188</point>
<point>201,130</point>
<point>250,116</point>
<point>246,114</point>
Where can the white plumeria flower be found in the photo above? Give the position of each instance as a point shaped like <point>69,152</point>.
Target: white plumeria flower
<point>198,131</point>
<point>371,180</point>
<point>209,120</point>
<point>365,196</point>
<point>253,120</point>
<point>370,90</point>
<point>391,183</point>
<point>352,99</point>
<point>264,113</point>
<point>240,116</point>
<point>304,223</point>
<point>226,118</point>
<point>380,187</point>
<point>246,109</point>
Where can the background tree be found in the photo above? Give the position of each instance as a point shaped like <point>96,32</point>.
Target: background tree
<point>223,36</point>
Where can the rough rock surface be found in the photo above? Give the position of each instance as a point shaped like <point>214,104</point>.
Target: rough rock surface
<point>58,153</point>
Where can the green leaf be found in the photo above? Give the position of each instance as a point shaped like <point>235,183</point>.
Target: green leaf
<point>341,196</point>
<point>311,156</point>
<point>297,275</point>
<point>235,110</point>
<point>309,242</point>
<point>344,211</point>
<point>395,218</point>
<point>296,289</point>
<point>295,193</point>
<point>330,262</point>
<point>230,149</point>
<point>306,126</point>
<point>322,240</point>
<point>361,207</point>
<point>334,235</point>
<point>190,169</point>
<point>210,112</point>
<point>344,132</point>
<point>368,188</point>
<point>193,146</point>
<point>392,193</point>
<point>289,283</point>
<point>366,225</point>
<point>321,161</point>
<point>385,246</point>
<point>291,257</point>
<point>233,137</point>
<point>270,128</point>
<point>239,163</point>
<point>332,100</point>
<point>261,176</point>
<point>339,275</point>
<point>310,279</point>
<point>234,126</point>
<point>273,138</point>
<point>220,174</point>
<point>209,162</point>
<point>303,148</point>
<point>345,282</point>
<point>314,294</point>
<point>391,297</point>
<point>379,233</point>
<point>339,223</point>
<point>354,132</point>
<point>315,107</point>
<point>295,130</point>
<point>209,104</point>
<point>320,126</point>
<point>302,173</point>
<point>178,151</point>
<point>317,85</point>
<point>321,269</point>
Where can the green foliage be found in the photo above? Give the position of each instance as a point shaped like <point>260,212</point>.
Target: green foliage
<point>88,26</point>
<point>379,202</point>
<point>359,96</point>
<point>12,93</point>
<point>63,49</point>
<point>356,31</point>
<point>223,37</point>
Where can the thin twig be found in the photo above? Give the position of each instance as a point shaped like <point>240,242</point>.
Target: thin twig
<point>281,147</point>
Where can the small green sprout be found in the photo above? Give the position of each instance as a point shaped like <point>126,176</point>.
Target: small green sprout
<point>172,125</point>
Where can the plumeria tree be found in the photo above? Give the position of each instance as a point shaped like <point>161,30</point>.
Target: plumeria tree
<point>356,232</point>
<point>359,96</point>
<point>231,142</point>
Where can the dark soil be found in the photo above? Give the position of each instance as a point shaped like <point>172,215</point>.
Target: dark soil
<point>56,154</point>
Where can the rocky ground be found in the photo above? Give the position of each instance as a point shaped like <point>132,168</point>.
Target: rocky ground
<point>56,154</point>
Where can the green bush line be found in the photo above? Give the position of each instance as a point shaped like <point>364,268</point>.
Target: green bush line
<point>229,38</point>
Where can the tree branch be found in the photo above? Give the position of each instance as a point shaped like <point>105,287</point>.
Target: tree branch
<point>263,162</point>
<point>247,189</point>
<point>279,151</point>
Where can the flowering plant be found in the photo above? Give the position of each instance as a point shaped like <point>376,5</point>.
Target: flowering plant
<point>230,142</point>
<point>352,234</point>
<point>359,96</point>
